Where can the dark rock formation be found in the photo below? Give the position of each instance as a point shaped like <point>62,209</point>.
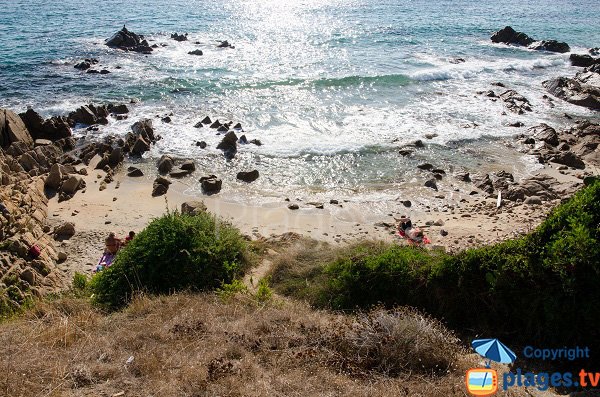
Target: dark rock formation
<point>129,41</point>
<point>249,176</point>
<point>211,184</point>
<point>509,36</point>
<point>515,102</point>
<point>179,37</point>
<point>195,52</point>
<point>551,45</point>
<point>582,90</point>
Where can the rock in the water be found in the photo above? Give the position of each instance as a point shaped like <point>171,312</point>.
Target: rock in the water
<point>134,172</point>
<point>140,147</point>
<point>431,184</point>
<point>195,52</point>
<point>188,165</point>
<point>165,164</point>
<point>515,102</point>
<point>463,176</point>
<point>425,166</point>
<point>582,60</point>
<point>216,124</point>
<point>201,144</point>
<point>129,41</point>
<point>86,64</point>
<point>12,129</point>
<point>206,121</point>
<point>160,186</point>
<point>551,45</point>
<point>179,37</point>
<point>249,176</point>
<point>193,207</point>
<point>293,206</point>
<point>83,115</point>
<point>225,44</point>
<point>116,157</point>
<point>582,90</point>
<point>229,145</point>
<point>509,36</point>
<point>211,184</point>
<point>179,174</point>
<point>545,133</point>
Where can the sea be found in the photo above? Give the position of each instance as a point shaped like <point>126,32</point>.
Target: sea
<point>331,88</point>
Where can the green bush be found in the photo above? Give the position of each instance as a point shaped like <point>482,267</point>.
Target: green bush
<point>540,288</point>
<point>174,252</point>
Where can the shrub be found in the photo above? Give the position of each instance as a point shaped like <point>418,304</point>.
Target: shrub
<point>540,288</point>
<point>264,292</point>
<point>394,341</point>
<point>174,252</point>
<point>80,282</point>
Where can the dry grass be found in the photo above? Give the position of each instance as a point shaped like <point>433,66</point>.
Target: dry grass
<point>197,345</point>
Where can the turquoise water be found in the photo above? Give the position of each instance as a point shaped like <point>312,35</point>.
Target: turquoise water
<point>331,88</point>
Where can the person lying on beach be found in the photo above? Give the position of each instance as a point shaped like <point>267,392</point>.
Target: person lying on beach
<point>411,233</point>
<point>112,244</point>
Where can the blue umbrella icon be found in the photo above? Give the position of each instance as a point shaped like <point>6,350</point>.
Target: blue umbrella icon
<point>494,350</point>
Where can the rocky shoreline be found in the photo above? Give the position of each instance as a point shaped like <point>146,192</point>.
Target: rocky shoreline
<point>41,160</point>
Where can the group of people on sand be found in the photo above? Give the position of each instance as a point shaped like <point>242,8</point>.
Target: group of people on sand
<point>112,245</point>
<point>412,234</point>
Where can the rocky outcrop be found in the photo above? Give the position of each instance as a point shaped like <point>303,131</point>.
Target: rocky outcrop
<point>582,90</point>
<point>544,133</point>
<point>140,138</point>
<point>551,45</point>
<point>13,130</point>
<point>165,164</point>
<point>229,145</point>
<point>509,36</point>
<point>129,41</point>
<point>86,64</point>
<point>515,102</point>
<point>195,52</point>
<point>582,60</point>
<point>179,37</point>
<point>542,186</point>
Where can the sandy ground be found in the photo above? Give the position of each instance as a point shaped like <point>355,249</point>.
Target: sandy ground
<point>127,204</point>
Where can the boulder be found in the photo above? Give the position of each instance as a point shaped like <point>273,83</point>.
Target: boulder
<point>515,102</point>
<point>71,185</point>
<point>206,121</point>
<point>211,184</point>
<point>116,157</point>
<point>582,90</point>
<point>160,186</point>
<point>165,164</point>
<point>228,144</point>
<point>54,178</point>
<point>193,207</point>
<point>542,186</point>
<point>195,52</point>
<point>129,41</point>
<point>83,115</point>
<point>293,206</point>
<point>249,176</point>
<point>484,183</point>
<point>533,200</point>
<point>119,109</point>
<point>225,44</point>
<point>140,147</point>
<point>144,129</point>
<point>179,37</point>
<point>551,45</point>
<point>179,173</point>
<point>12,129</point>
<point>216,124</point>
<point>188,165</point>
<point>509,36</point>
<point>431,184</point>
<point>569,159</point>
<point>425,166</point>
<point>64,230</point>
<point>201,144</point>
<point>582,60</point>
<point>33,121</point>
<point>134,172</point>
<point>545,133</point>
